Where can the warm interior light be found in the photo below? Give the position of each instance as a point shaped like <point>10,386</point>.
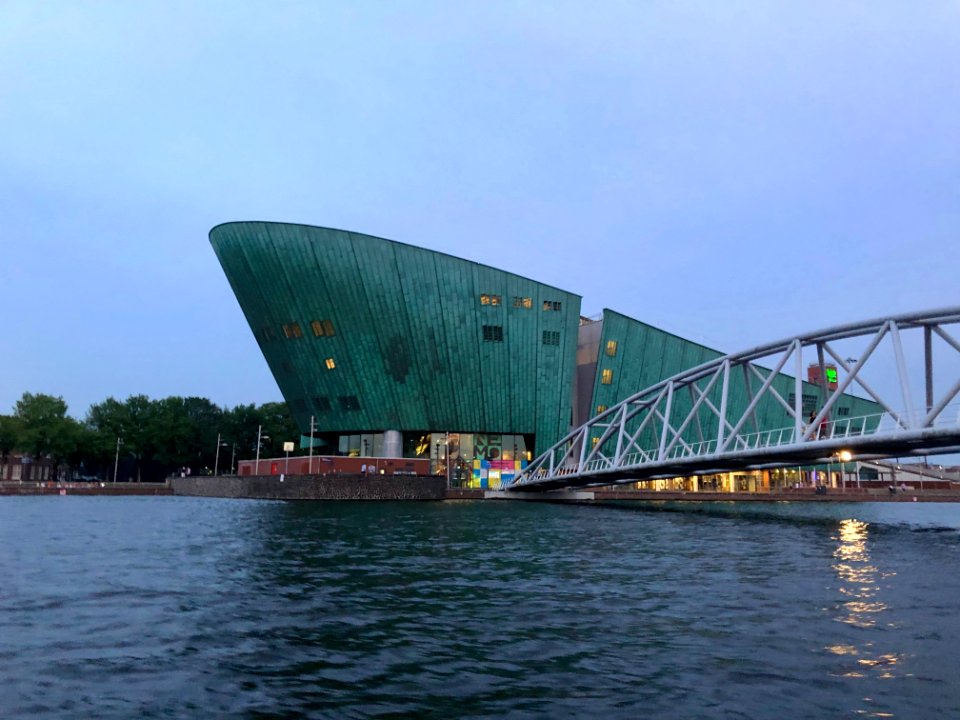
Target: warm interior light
<point>845,456</point>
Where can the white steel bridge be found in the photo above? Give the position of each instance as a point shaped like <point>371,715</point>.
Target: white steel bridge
<point>708,419</point>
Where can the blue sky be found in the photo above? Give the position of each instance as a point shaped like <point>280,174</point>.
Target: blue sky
<point>731,172</point>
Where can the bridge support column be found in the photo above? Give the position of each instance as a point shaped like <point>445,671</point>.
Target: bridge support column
<point>696,483</point>
<point>392,444</point>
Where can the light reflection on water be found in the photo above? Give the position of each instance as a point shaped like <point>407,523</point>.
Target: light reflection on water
<point>178,607</point>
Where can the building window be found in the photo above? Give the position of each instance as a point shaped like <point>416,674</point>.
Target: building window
<point>594,441</point>
<point>601,408</point>
<point>522,302</point>
<point>551,337</point>
<point>486,299</point>
<point>267,333</point>
<point>322,328</point>
<point>329,363</point>
<point>611,347</point>
<point>292,330</point>
<point>349,402</point>
<point>321,404</point>
<point>551,305</point>
<point>606,377</point>
<point>493,333</point>
<point>843,411</point>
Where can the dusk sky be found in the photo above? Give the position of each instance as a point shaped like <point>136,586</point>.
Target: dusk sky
<point>731,172</point>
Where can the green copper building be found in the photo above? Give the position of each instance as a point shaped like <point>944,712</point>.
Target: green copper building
<point>383,349</point>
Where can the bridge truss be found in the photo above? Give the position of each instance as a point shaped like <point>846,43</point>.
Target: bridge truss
<point>743,411</point>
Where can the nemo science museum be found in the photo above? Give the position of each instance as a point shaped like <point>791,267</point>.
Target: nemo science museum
<point>387,350</point>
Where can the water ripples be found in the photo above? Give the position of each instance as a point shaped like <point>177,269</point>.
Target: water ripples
<point>179,607</point>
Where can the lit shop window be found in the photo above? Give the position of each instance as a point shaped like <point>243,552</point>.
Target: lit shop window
<point>292,330</point>
<point>486,299</point>
<point>493,333</point>
<point>611,347</point>
<point>606,377</point>
<point>330,363</point>
<point>322,328</point>
<point>551,337</point>
<point>522,302</point>
<point>551,305</point>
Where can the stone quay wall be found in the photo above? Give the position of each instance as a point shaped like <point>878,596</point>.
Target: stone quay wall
<point>312,487</point>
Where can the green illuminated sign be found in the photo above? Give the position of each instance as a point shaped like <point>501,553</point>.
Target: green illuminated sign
<point>831,375</point>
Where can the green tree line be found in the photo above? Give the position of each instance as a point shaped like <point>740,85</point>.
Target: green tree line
<point>156,437</point>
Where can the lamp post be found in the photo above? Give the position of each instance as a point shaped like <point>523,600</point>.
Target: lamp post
<point>260,438</point>
<point>216,461</point>
<point>233,455</point>
<point>116,459</point>
<point>844,456</point>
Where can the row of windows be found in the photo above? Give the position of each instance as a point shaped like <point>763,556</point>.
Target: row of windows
<point>292,330</point>
<point>518,302</point>
<point>494,333</point>
<point>322,404</point>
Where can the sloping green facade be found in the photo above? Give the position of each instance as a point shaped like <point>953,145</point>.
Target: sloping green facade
<point>367,334</point>
<point>643,355</point>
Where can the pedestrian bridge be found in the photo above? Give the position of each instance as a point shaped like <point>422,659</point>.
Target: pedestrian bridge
<point>753,410</point>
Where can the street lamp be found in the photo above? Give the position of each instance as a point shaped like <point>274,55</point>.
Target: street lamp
<point>116,459</point>
<point>216,461</point>
<point>844,457</point>
<point>260,438</point>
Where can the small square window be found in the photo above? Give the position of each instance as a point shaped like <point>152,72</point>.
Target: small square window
<point>328,328</point>
<point>606,377</point>
<point>292,330</point>
<point>493,333</point>
<point>330,363</point>
<point>595,440</point>
<point>551,305</point>
<point>522,302</point>
<point>349,402</point>
<point>551,337</point>
<point>601,408</point>
<point>488,299</point>
<point>611,347</point>
<point>843,411</point>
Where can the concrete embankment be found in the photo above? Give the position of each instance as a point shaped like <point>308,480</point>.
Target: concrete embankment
<point>313,487</point>
<point>84,488</point>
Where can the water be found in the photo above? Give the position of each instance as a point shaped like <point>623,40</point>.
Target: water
<point>183,607</point>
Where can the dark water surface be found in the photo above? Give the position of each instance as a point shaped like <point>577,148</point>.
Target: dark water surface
<point>182,607</point>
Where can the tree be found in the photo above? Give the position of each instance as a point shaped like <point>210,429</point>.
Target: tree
<point>45,428</point>
<point>9,436</point>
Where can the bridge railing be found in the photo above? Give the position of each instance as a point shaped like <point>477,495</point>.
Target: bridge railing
<point>846,428</point>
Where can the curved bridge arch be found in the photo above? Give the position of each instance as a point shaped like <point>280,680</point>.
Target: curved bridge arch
<point>708,418</point>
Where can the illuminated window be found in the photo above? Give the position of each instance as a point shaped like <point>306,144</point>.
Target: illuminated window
<point>493,333</point>
<point>292,330</point>
<point>606,377</point>
<point>487,299</point>
<point>595,440</point>
<point>611,347</point>
<point>601,408</point>
<point>322,328</point>
<point>522,302</point>
<point>330,363</point>
<point>551,305</point>
<point>551,337</point>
